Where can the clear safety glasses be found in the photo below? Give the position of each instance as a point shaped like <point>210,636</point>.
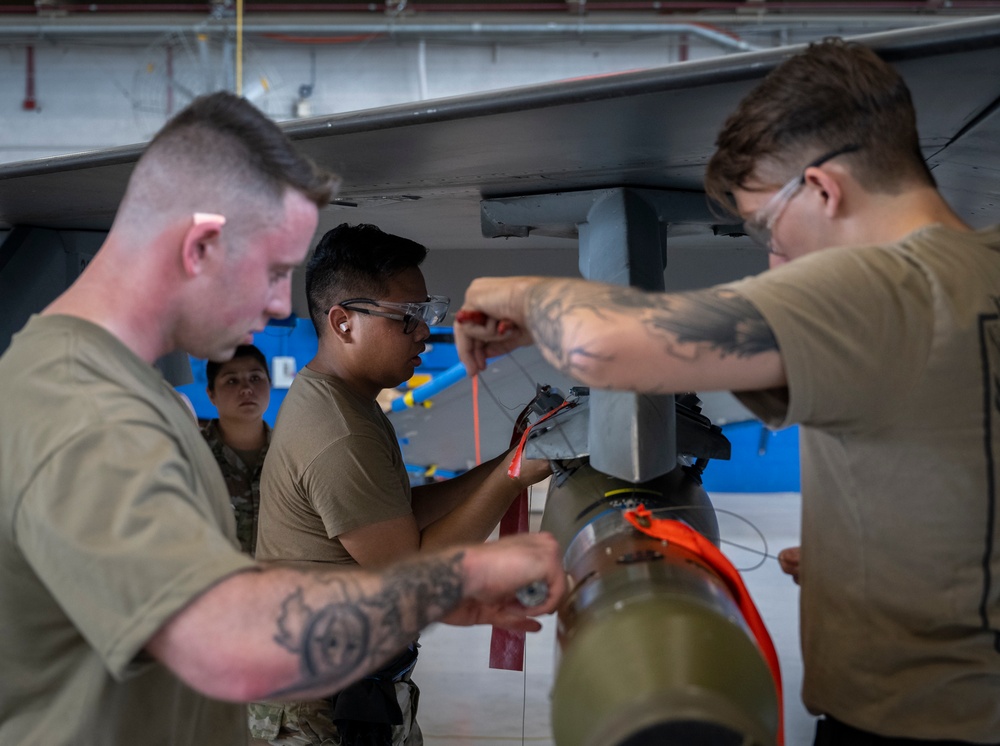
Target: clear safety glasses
<point>431,311</point>
<point>759,225</point>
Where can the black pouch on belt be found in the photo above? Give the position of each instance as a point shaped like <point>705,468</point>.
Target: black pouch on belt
<point>365,711</point>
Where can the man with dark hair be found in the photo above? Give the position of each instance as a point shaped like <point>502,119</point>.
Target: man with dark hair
<point>334,487</point>
<point>878,331</point>
<point>240,389</point>
<point>129,613</point>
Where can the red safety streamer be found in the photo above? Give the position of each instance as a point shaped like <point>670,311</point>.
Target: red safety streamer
<point>687,538</point>
<point>507,646</point>
<point>521,437</point>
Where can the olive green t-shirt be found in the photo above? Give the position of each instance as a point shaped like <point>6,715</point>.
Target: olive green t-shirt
<point>113,517</point>
<point>892,357</point>
<point>334,465</point>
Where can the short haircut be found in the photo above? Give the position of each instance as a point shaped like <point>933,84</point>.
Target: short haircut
<point>355,262</point>
<point>212,368</point>
<point>220,154</point>
<point>833,95</point>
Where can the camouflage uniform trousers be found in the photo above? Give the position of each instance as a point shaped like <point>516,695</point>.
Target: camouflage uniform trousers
<point>311,724</point>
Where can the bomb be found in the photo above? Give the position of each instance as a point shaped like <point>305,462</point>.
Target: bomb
<point>655,642</point>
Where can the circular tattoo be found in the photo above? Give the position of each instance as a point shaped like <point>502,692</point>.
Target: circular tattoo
<point>336,640</point>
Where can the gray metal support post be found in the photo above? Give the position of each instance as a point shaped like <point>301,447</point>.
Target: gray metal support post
<point>623,242</point>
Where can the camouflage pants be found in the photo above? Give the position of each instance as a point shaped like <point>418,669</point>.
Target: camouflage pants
<point>311,723</point>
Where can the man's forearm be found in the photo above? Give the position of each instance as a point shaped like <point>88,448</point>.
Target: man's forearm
<point>432,502</point>
<point>354,630</point>
<point>487,495</point>
<point>288,634</point>
<point>621,337</point>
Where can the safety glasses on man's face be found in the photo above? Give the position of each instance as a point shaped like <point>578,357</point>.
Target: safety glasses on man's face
<point>760,225</point>
<point>432,311</point>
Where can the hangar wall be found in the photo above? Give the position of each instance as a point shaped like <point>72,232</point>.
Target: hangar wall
<point>90,96</point>
<point>84,81</point>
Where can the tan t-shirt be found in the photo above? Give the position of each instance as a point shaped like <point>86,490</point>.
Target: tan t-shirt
<point>892,356</point>
<point>113,516</point>
<point>333,466</point>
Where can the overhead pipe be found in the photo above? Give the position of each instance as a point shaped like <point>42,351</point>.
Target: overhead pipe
<point>519,7</point>
<point>705,26</point>
<point>398,30</point>
<point>546,30</point>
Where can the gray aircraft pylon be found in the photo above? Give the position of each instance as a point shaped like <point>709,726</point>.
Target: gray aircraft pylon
<point>622,234</point>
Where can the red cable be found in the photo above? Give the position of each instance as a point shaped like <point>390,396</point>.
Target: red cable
<point>475,418</point>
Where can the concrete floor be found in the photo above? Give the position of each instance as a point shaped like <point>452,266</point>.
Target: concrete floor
<point>465,703</point>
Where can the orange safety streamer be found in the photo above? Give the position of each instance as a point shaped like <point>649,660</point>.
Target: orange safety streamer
<point>687,538</point>
<point>475,418</point>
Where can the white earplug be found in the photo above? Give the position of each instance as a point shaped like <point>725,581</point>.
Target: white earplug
<point>343,327</point>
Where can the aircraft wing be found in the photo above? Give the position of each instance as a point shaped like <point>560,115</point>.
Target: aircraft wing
<point>422,169</point>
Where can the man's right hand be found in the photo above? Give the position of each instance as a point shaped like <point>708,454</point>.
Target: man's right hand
<point>495,571</point>
<point>492,320</point>
<point>789,559</point>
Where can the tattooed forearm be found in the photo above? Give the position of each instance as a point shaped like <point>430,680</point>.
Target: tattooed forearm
<point>549,309</point>
<point>721,319</point>
<point>715,319</point>
<point>350,632</point>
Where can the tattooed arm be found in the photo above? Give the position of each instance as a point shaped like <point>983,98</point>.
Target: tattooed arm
<point>283,633</point>
<point>479,498</point>
<point>611,336</point>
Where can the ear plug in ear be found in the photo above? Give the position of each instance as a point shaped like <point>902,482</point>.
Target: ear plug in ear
<point>343,327</point>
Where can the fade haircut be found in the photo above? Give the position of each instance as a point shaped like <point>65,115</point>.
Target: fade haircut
<point>221,155</point>
<point>213,367</point>
<point>355,262</point>
<point>833,95</point>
